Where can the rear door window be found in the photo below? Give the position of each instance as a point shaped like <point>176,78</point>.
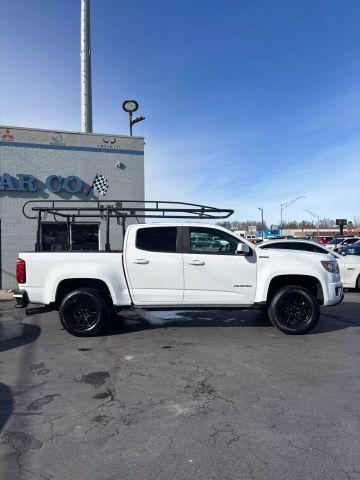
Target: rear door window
<point>157,239</point>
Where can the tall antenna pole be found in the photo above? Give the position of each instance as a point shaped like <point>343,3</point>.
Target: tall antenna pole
<point>85,60</point>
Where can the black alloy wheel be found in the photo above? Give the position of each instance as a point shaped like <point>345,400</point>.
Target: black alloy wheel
<point>294,310</point>
<point>83,312</point>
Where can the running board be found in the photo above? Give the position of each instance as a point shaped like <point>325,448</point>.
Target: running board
<point>196,307</point>
<point>36,310</point>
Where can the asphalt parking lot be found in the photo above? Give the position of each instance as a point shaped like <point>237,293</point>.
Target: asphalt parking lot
<point>201,395</point>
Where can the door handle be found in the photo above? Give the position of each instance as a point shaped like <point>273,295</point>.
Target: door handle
<point>141,261</point>
<point>196,262</point>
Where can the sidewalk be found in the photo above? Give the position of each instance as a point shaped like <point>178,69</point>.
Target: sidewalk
<point>5,295</point>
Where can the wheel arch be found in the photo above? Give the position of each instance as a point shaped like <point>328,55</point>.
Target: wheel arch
<point>67,285</point>
<point>306,281</point>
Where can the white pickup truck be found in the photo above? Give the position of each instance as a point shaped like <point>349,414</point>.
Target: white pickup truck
<point>178,266</point>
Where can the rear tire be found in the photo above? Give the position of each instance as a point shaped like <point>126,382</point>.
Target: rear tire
<point>83,312</point>
<point>294,310</point>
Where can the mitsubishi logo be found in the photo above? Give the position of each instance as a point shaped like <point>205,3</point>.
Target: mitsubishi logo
<point>7,135</point>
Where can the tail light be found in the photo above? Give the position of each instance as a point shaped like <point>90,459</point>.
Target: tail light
<point>20,270</point>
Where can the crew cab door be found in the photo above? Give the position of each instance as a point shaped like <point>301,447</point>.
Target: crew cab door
<point>154,266</point>
<point>213,272</point>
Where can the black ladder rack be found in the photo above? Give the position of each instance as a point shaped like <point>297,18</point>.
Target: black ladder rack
<point>70,210</point>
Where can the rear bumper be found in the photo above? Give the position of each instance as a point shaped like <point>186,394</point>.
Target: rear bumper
<point>21,297</point>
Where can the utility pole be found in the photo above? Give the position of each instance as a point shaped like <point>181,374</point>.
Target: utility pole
<point>315,215</point>
<point>285,205</point>
<point>85,66</point>
<point>262,222</point>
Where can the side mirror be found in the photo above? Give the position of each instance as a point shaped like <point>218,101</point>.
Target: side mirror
<point>242,249</point>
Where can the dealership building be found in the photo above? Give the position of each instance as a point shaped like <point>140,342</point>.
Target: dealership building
<point>52,165</point>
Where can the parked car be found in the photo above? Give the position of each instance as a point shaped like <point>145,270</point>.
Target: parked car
<point>349,265</point>
<point>340,242</point>
<point>323,240</point>
<point>306,237</point>
<point>291,244</point>
<point>334,243</point>
<point>274,237</point>
<point>353,249</point>
<point>173,266</point>
<point>251,238</point>
<point>349,241</point>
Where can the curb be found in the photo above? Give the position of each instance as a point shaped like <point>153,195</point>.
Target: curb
<point>6,295</point>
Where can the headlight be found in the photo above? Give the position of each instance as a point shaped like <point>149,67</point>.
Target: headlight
<point>331,267</point>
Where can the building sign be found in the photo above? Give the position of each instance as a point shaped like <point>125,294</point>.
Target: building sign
<point>341,221</point>
<point>57,139</point>
<point>109,143</point>
<point>54,183</point>
<point>8,136</point>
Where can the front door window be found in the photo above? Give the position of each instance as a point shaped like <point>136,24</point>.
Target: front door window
<point>211,241</point>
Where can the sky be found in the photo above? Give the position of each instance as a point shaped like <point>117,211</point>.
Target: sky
<point>248,103</point>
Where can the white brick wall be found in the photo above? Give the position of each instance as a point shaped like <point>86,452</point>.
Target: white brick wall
<point>41,156</point>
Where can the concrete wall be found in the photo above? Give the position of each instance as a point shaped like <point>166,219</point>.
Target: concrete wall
<point>42,153</point>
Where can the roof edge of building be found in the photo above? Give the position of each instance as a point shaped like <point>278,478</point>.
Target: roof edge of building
<point>71,132</point>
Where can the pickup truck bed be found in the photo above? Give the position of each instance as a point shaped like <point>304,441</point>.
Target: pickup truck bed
<point>48,272</point>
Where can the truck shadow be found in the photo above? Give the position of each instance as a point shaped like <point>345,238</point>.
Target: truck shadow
<point>145,320</point>
<point>7,404</point>
<point>344,317</point>
<point>13,335</point>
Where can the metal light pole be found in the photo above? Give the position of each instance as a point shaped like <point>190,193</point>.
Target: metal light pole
<point>285,205</point>
<point>315,215</point>
<point>85,61</point>
<point>262,222</point>
<point>130,106</point>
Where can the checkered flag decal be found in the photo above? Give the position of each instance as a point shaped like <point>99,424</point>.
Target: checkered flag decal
<point>100,184</point>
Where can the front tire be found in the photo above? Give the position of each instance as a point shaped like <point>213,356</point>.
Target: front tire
<point>294,310</point>
<point>83,312</point>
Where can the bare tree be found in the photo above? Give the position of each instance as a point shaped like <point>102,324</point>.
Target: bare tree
<point>287,224</point>
<point>241,225</point>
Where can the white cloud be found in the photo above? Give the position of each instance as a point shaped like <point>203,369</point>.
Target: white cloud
<point>185,171</point>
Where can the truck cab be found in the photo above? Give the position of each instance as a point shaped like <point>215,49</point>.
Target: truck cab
<point>189,264</point>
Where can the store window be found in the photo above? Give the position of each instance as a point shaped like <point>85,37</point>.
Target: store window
<point>84,237</point>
